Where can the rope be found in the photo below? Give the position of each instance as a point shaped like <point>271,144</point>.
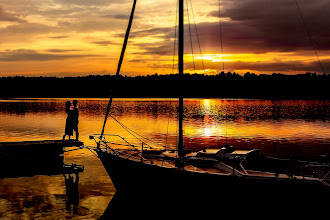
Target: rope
<point>92,151</point>
<point>82,147</point>
<point>309,36</point>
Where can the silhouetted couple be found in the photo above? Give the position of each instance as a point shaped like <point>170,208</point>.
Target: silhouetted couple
<point>72,121</point>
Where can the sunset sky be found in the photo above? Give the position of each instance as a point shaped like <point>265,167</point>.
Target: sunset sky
<point>83,37</point>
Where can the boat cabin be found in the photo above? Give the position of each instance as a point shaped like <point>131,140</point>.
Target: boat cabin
<point>229,152</point>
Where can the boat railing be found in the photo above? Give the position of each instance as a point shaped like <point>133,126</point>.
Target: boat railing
<point>326,175</point>
<point>315,173</point>
<point>102,142</point>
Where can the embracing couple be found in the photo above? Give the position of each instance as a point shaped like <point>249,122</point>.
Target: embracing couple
<point>72,121</point>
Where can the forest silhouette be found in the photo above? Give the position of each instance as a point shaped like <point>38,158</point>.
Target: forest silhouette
<point>222,85</point>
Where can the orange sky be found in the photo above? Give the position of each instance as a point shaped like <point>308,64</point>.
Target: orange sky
<point>75,38</point>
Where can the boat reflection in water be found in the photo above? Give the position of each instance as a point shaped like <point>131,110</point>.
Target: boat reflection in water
<point>202,204</point>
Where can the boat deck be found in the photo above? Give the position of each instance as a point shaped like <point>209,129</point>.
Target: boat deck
<point>136,156</point>
<point>168,162</point>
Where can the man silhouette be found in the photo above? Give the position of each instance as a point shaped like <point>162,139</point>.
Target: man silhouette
<point>75,118</point>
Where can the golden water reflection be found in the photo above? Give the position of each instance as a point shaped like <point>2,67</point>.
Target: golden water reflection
<point>157,118</point>
<point>290,127</point>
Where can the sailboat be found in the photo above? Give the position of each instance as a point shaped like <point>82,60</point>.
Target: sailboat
<point>210,173</point>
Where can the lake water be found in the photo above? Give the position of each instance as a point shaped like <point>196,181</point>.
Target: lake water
<point>291,129</point>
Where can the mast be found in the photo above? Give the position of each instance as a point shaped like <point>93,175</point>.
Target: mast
<point>119,65</point>
<point>180,57</point>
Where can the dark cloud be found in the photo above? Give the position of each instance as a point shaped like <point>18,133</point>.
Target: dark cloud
<point>88,26</point>
<point>165,33</point>
<point>273,66</point>
<point>162,47</point>
<point>64,11</point>
<point>138,60</point>
<point>6,16</point>
<point>32,55</point>
<point>89,2</point>
<point>27,29</point>
<point>159,49</point>
<point>252,26</point>
<point>104,43</point>
<point>61,51</point>
<point>259,25</point>
<point>265,66</point>
<point>59,37</point>
<point>118,16</point>
<point>25,32</point>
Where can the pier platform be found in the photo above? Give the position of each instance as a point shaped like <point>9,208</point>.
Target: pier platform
<point>43,148</point>
<point>28,158</point>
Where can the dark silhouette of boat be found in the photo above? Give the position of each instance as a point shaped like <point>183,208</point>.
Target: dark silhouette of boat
<point>185,178</point>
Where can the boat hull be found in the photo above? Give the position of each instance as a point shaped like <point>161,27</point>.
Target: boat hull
<point>130,175</point>
<point>145,190</point>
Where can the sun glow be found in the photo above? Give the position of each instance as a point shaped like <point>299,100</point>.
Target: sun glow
<point>77,37</point>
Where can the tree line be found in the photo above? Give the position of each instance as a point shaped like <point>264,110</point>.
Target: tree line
<point>222,85</point>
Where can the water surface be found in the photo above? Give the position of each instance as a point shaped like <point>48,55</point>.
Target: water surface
<point>293,129</point>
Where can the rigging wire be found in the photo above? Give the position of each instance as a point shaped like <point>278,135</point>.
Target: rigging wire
<point>131,132</point>
<point>191,42</point>
<point>119,64</point>
<point>223,67</point>
<point>175,27</point>
<point>226,120</point>
<point>309,35</point>
<point>200,50</point>
<point>173,62</point>
<point>199,45</point>
<point>168,124</point>
<point>221,39</point>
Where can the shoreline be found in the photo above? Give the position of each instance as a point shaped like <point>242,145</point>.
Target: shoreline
<point>222,86</point>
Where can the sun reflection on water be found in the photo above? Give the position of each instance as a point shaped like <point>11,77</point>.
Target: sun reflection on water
<point>157,118</point>
<point>293,127</point>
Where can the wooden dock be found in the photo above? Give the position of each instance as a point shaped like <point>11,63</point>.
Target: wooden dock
<point>44,148</point>
<point>28,158</point>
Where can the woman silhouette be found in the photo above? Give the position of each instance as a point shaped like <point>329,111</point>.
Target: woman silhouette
<point>68,122</point>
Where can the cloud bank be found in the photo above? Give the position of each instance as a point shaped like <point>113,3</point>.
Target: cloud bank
<point>62,30</point>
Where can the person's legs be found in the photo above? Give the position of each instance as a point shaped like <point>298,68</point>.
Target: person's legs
<point>77,132</point>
